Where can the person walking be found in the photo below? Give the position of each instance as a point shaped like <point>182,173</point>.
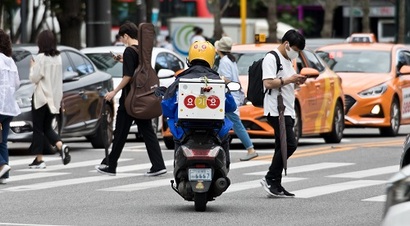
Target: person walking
<point>228,70</point>
<point>47,74</point>
<point>9,83</point>
<point>129,36</point>
<point>198,36</point>
<point>292,43</point>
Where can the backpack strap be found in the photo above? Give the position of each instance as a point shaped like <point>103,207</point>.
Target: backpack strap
<point>279,66</point>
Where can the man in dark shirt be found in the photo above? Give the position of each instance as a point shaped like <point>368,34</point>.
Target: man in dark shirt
<point>129,33</point>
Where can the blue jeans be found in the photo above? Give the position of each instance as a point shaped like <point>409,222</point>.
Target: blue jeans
<point>4,152</point>
<point>239,129</point>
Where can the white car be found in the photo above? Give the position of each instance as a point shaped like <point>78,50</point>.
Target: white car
<point>165,62</point>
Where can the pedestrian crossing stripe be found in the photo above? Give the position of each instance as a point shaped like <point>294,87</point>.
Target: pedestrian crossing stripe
<point>338,187</point>
<point>129,171</point>
<point>380,198</point>
<point>307,168</point>
<point>369,172</point>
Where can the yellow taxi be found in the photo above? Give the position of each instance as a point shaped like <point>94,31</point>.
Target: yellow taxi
<point>376,83</point>
<point>319,102</point>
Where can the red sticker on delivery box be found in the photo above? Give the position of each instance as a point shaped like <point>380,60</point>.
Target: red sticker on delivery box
<point>189,101</point>
<point>213,101</point>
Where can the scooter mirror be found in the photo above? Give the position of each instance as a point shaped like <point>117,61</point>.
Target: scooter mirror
<point>234,86</point>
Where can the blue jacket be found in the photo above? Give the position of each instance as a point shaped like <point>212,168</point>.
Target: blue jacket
<point>170,104</point>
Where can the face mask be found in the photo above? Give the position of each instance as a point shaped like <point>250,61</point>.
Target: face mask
<point>292,54</point>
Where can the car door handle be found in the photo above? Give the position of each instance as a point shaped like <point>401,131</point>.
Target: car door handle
<point>99,87</point>
<point>81,92</point>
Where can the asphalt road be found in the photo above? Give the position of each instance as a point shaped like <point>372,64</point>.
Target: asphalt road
<point>335,184</point>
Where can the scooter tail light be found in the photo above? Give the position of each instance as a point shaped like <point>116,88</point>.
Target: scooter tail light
<point>214,151</point>
<point>187,152</point>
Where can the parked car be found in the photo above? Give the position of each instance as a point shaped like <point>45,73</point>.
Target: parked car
<point>397,205</point>
<point>165,62</point>
<point>319,103</point>
<point>81,109</point>
<point>376,83</point>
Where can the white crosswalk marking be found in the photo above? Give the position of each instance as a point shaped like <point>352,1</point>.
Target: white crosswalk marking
<point>307,168</point>
<point>256,184</point>
<point>140,186</point>
<point>61,183</point>
<point>31,176</point>
<point>333,188</point>
<point>380,198</point>
<point>130,169</point>
<point>72,165</point>
<point>369,172</point>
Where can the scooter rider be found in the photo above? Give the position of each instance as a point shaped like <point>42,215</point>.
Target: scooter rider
<point>201,58</point>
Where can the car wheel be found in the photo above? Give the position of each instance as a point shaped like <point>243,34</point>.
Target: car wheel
<point>338,125</point>
<point>169,142</point>
<point>394,127</point>
<point>297,128</point>
<point>95,139</point>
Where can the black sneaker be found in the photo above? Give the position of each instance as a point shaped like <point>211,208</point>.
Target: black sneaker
<point>155,173</point>
<point>288,194</point>
<point>37,164</point>
<point>105,170</point>
<point>65,154</point>
<point>272,188</point>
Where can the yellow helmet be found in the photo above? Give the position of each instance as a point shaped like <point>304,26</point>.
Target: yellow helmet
<point>202,50</point>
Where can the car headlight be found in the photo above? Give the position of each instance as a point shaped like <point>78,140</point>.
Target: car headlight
<point>24,102</point>
<point>374,91</point>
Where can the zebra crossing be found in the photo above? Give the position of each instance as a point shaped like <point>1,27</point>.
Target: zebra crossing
<point>58,175</point>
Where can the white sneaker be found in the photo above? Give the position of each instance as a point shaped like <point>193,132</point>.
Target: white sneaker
<point>37,165</point>
<point>4,169</point>
<point>3,181</point>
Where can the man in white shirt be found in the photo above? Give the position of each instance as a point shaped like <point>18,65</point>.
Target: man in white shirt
<point>292,43</point>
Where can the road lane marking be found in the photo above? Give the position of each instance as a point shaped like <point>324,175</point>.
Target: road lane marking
<point>369,172</point>
<point>308,168</point>
<point>334,188</point>
<point>123,169</point>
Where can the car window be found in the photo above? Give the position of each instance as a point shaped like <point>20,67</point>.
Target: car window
<point>81,64</point>
<point>22,60</point>
<point>168,61</point>
<point>403,58</point>
<point>366,61</point>
<point>244,60</point>
<point>175,63</point>
<point>105,62</point>
<point>313,61</point>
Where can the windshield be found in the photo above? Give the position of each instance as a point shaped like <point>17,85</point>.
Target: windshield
<point>363,61</point>
<point>106,63</point>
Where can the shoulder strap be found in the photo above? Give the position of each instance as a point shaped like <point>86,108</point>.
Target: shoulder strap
<point>278,64</point>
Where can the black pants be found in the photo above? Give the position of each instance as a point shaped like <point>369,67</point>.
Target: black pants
<point>42,129</point>
<point>122,128</point>
<point>276,167</point>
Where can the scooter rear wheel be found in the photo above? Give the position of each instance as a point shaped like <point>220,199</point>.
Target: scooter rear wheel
<point>200,200</point>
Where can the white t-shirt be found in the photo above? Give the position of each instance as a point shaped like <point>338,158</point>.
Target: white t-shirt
<point>270,103</point>
<point>197,38</point>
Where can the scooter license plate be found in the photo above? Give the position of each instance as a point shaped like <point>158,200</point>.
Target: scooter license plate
<point>204,174</point>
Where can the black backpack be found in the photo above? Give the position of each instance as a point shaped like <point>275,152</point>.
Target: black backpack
<point>256,93</point>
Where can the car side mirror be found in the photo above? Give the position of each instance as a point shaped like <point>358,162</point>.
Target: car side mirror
<point>165,73</point>
<point>234,86</point>
<point>405,70</point>
<point>309,72</point>
<point>69,76</point>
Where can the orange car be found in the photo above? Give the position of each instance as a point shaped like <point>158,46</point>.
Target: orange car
<point>319,102</point>
<point>376,83</point>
